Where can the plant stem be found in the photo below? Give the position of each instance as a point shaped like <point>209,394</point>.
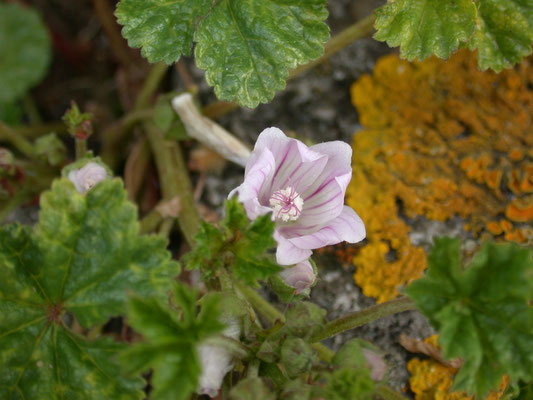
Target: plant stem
<point>358,30</point>
<point>262,306</point>
<point>36,130</point>
<point>150,222</point>
<point>81,148</point>
<point>174,180</point>
<point>362,317</point>
<point>17,140</point>
<point>155,76</point>
<point>386,393</point>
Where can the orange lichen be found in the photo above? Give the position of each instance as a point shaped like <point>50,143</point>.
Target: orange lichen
<point>440,139</point>
<point>431,380</point>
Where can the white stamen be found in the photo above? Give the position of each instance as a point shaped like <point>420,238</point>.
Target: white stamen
<point>287,204</point>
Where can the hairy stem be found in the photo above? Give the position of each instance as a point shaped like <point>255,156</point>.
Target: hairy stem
<point>349,35</point>
<point>365,316</point>
<point>174,180</point>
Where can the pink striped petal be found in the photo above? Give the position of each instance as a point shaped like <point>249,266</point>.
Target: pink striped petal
<point>348,227</point>
<point>287,253</point>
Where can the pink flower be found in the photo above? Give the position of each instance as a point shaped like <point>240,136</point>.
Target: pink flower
<point>304,189</point>
<point>87,176</point>
<point>300,277</point>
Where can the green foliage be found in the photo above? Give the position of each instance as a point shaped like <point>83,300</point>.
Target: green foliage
<point>239,242</point>
<point>168,121</point>
<point>251,389</point>
<point>80,260</point>
<point>50,149</point>
<point>297,356</point>
<point>10,113</point>
<point>171,341</point>
<point>501,30</point>
<point>245,47</point>
<point>25,50</point>
<point>481,312</point>
<point>348,383</point>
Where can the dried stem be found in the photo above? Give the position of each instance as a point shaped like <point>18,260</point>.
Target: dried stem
<point>174,180</point>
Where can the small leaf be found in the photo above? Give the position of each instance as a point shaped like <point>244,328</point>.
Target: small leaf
<point>481,313</point>
<point>247,47</point>
<point>81,258</point>
<point>170,342</point>
<point>162,29</point>
<point>25,50</point>
<point>251,389</point>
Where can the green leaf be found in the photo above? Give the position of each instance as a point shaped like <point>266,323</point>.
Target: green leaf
<point>251,389</point>
<point>81,259</point>
<point>162,29</point>
<point>504,33</point>
<point>25,50</point>
<point>482,312</point>
<point>247,243</point>
<point>247,47</point>
<point>11,113</point>
<point>348,383</point>
<point>425,27</point>
<point>171,342</point>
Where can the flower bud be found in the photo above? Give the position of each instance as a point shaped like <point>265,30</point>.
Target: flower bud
<point>300,277</point>
<point>87,176</point>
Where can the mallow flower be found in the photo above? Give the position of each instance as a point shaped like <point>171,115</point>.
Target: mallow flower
<point>303,187</point>
<point>87,176</point>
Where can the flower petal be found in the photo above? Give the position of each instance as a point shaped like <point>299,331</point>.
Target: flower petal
<point>287,253</point>
<point>348,227</point>
<point>326,203</point>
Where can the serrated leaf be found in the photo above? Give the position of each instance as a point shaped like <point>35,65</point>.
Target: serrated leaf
<point>481,313</point>
<point>425,27</point>
<point>162,29</point>
<point>247,47</point>
<point>504,33</point>
<point>170,342</point>
<point>81,258</point>
<point>25,50</point>
<point>500,30</point>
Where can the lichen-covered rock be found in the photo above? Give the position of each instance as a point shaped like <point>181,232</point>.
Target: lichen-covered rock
<point>440,139</point>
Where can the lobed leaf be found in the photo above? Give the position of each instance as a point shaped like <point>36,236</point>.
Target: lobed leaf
<point>246,47</point>
<point>500,30</point>
<point>25,50</point>
<point>170,342</point>
<point>81,259</point>
<point>481,313</point>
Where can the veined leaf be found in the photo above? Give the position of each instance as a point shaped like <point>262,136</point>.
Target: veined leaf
<point>81,259</point>
<point>500,30</point>
<point>162,29</point>
<point>482,312</point>
<point>246,47</point>
<point>25,50</point>
<point>425,27</point>
<point>171,342</point>
<point>504,33</point>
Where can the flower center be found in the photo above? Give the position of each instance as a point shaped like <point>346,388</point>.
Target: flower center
<point>287,204</point>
